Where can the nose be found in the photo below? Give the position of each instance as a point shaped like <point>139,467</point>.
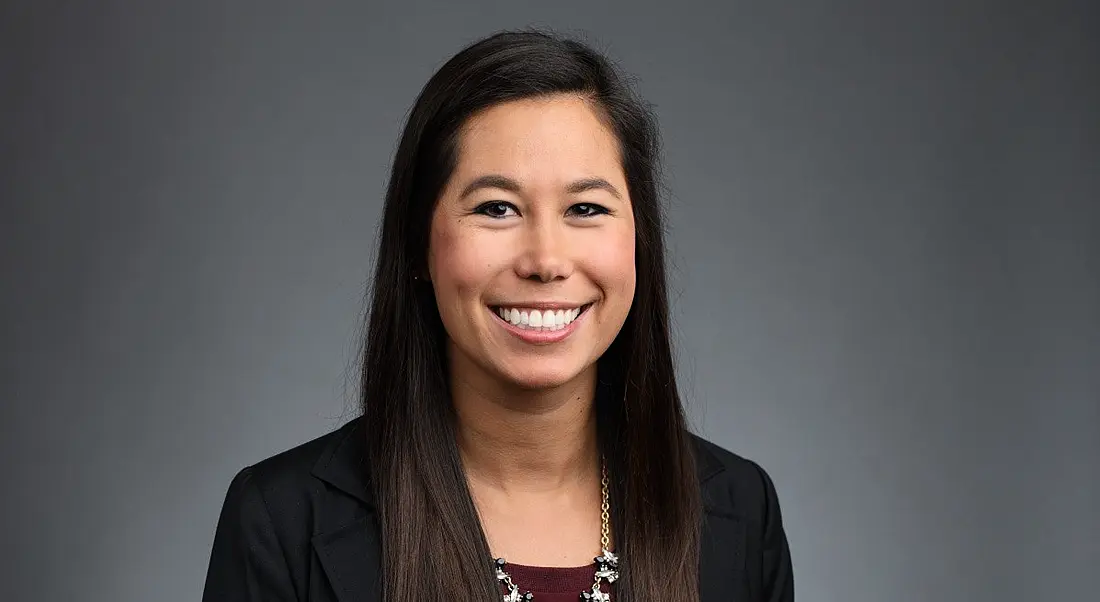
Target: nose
<point>546,254</point>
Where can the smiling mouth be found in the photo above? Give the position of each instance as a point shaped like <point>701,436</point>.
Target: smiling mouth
<point>545,320</point>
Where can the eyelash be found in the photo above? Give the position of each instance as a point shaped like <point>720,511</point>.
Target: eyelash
<point>594,209</point>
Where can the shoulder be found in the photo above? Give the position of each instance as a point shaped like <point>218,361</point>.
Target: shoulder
<point>743,522</point>
<point>733,484</point>
<point>307,489</point>
<point>274,510</point>
<point>296,468</point>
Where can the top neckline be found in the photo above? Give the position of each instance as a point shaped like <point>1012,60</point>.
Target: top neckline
<point>551,580</point>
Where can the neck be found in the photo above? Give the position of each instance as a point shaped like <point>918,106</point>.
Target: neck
<point>526,441</point>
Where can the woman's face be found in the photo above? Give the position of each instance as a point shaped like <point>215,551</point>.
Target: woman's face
<point>532,244</point>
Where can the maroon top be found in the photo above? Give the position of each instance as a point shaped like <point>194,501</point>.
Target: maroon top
<point>553,584</point>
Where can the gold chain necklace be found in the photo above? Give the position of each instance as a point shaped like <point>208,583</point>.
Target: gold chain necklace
<point>607,563</point>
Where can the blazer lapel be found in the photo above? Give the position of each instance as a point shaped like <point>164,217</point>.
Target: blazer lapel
<point>722,558</point>
<point>351,557</point>
<point>722,553</point>
<point>348,547</point>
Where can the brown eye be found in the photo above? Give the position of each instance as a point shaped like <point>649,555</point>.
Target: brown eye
<point>587,210</point>
<point>495,209</point>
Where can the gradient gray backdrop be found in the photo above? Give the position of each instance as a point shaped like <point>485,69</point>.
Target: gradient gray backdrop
<point>885,244</point>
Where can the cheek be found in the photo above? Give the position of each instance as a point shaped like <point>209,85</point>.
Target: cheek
<point>613,264</point>
<point>459,263</point>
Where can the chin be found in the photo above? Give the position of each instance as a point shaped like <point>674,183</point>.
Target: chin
<point>542,377</point>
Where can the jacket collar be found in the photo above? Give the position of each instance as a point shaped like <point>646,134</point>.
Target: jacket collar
<point>345,551</point>
<point>343,462</point>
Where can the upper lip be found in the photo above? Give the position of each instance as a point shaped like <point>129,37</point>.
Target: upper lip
<point>541,304</point>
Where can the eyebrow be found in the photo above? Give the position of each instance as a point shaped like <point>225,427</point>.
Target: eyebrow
<point>506,183</point>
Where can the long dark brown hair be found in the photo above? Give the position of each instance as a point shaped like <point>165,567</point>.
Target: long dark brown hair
<point>433,546</point>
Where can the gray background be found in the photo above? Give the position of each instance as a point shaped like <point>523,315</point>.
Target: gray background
<point>884,231</point>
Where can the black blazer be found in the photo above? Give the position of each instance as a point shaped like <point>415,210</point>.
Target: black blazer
<point>300,526</point>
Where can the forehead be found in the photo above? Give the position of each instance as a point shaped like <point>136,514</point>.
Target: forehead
<point>529,136</point>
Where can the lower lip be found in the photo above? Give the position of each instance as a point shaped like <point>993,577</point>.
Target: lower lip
<point>540,337</point>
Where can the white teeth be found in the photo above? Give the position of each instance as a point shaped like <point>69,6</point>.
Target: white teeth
<point>533,318</point>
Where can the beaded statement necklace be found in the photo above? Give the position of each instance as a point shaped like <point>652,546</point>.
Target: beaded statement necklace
<point>607,563</point>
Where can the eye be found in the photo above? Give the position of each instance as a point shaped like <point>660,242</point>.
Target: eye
<point>587,210</point>
<point>496,209</point>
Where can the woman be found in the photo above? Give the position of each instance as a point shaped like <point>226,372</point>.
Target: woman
<point>520,410</point>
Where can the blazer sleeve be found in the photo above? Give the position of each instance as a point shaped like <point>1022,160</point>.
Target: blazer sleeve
<point>778,576</point>
<point>246,561</point>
